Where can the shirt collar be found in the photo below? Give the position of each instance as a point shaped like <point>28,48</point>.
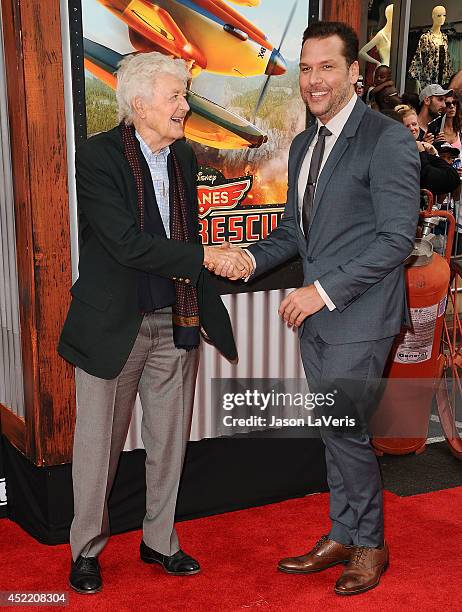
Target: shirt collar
<point>337,123</point>
<point>145,149</point>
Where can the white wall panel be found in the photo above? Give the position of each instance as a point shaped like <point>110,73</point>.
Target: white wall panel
<point>11,374</point>
<point>266,347</point>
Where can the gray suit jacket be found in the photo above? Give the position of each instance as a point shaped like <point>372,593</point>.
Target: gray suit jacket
<point>363,226</point>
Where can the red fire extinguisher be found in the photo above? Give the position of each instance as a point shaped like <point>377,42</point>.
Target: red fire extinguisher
<point>415,364</point>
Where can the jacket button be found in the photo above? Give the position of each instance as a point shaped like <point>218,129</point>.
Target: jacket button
<point>173,277</point>
<point>187,280</point>
<point>181,280</point>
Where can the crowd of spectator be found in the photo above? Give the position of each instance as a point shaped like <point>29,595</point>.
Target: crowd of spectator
<point>434,118</point>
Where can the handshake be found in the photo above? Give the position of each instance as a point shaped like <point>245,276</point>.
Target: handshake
<point>229,261</point>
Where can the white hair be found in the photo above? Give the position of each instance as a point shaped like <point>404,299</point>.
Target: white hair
<point>136,76</point>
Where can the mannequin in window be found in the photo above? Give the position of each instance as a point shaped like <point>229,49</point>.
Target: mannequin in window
<point>381,41</point>
<point>431,62</point>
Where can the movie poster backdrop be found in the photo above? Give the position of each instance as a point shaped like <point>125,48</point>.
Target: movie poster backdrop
<point>244,99</point>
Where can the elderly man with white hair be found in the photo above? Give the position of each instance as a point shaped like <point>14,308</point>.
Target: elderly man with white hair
<point>142,297</point>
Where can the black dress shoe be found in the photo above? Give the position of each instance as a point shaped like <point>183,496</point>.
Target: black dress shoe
<point>85,576</point>
<point>179,564</point>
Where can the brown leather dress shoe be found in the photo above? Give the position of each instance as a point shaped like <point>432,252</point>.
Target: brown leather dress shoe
<point>363,571</point>
<point>325,553</point>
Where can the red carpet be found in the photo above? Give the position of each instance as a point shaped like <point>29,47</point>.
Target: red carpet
<point>238,552</point>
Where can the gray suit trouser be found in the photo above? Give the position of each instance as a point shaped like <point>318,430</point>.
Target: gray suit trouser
<point>353,476</point>
<point>165,378</point>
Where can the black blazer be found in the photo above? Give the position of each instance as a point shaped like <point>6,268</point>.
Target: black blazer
<point>104,317</point>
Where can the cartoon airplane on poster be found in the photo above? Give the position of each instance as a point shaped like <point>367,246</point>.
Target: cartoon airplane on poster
<point>207,123</point>
<point>208,34</point>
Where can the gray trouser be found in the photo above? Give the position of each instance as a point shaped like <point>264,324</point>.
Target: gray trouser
<point>165,378</point>
<point>353,476</point>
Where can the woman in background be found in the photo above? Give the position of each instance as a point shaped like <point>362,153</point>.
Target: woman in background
<point>452,124</point>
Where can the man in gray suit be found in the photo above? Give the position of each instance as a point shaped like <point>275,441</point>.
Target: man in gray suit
<point>351,214</point>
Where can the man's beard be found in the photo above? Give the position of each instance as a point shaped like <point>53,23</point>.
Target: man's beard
<point>433,112</point>
<point>338,102</point>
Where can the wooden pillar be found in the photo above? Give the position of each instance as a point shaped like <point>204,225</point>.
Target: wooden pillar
<point>352,12</point>
<point>33,57</point>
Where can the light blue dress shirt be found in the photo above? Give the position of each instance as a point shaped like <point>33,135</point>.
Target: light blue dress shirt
<point>157,163</point>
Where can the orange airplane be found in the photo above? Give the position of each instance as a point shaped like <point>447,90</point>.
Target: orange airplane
<point>207,122</point>
<point>210,35</point>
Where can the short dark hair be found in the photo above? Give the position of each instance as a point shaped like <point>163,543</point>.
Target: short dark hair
<point>325,29</point>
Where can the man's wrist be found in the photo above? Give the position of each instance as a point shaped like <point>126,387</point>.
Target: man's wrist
<point>206,255</point>
<point>254,264</point>
<point>209,261</point>
<point>325,298</point>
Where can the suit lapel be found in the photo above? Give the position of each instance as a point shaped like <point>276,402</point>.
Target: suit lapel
<point>335,156</point>
<point>341,145</point>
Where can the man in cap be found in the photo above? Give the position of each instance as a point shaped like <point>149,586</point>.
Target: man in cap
<point>432,100</point>
<point>450,153</point>
<point>447,151</point>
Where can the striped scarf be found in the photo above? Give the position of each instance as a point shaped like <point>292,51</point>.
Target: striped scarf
<point>186,309</point>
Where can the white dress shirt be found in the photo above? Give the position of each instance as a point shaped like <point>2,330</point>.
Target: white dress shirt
<point>335,126</point>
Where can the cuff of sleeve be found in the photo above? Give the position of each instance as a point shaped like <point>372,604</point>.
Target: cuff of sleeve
<point>253,262</point>
<point>328,302</point>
